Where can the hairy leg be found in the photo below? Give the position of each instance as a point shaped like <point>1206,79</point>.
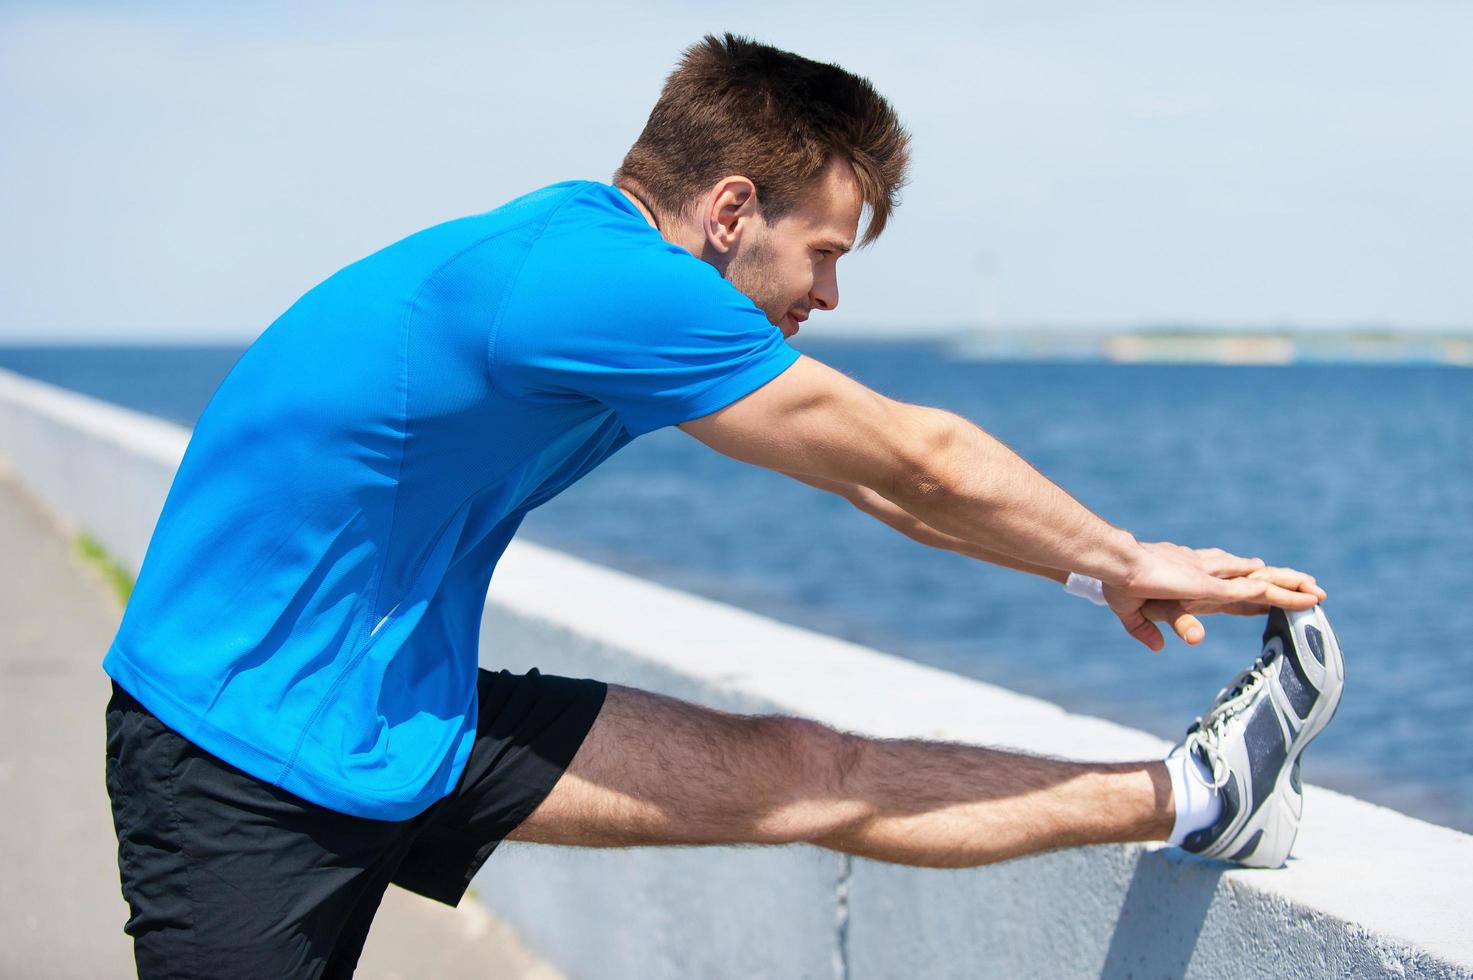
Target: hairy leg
<point>658,770</point>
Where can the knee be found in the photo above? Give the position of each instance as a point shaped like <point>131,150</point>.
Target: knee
<point>814,797</point>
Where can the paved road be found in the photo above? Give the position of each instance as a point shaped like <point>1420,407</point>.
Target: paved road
<point>61,910</point>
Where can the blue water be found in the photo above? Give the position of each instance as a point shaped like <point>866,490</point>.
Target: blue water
<point>1362,475</point>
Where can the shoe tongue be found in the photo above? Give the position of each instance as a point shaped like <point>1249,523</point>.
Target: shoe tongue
<point>1261,666</point>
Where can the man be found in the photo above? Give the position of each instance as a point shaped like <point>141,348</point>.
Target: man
<point>298,719</point>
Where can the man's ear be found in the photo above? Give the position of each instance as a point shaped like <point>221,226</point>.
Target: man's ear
<point>731,206</point>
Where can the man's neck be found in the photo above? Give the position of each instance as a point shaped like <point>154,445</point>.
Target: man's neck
<point>640,199</point>
<point>629,190</point>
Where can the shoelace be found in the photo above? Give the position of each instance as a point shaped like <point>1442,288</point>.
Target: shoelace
<point>1209,730</point>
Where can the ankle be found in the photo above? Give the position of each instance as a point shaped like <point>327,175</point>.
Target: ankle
<point>1163,817</point>
<point>1195,802</point>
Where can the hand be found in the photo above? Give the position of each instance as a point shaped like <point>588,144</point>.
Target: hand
<point>1161,590</point>
<point>1214,560</point>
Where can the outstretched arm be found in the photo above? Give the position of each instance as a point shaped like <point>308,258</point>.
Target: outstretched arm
<point>939,467</point>
<point>949,474</point>
<point>916,529</point>
<point>957,481</point>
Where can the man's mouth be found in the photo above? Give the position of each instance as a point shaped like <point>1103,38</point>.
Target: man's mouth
<point>792,320</point>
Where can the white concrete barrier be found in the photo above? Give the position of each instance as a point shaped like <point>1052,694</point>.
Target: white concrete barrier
<point>1368,893</point>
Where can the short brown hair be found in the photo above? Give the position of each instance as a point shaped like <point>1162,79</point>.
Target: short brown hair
<point>735,106</point>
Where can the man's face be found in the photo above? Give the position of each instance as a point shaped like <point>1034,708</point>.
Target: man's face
<point>787,268</point>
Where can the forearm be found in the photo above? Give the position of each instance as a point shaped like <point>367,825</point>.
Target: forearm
<point>917,530</point>
<point>980,492</point>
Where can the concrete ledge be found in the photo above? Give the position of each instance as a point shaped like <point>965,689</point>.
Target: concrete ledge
<point>99,468</point>
<point>1369,892</point>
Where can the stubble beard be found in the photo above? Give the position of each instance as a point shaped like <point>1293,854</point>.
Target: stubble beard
<point>750,271</point>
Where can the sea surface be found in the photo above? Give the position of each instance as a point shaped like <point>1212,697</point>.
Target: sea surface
<point>1359,474</point>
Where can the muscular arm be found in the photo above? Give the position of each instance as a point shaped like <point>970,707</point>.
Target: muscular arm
<point>945,472</point>
<point>942,480</point>
<point>912,527</point>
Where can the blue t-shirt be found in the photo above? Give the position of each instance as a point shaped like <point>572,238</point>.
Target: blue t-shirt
<point>310,603</point>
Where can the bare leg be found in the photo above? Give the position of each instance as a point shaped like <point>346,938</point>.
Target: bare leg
<point>657,770</point>
<point>948,805</point>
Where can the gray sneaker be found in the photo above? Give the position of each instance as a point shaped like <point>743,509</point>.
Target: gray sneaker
<point>1252,736</point>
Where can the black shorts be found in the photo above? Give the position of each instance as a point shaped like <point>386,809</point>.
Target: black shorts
<point>227,875</point>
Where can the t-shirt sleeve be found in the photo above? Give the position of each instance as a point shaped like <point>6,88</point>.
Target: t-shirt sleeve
<point>655,334</point>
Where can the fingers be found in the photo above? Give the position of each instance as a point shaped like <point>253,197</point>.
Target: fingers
<point>1250,588</point>
<point>1226,565</point>
<point>1286,587</point>
<point>1291,580</point>
<point>1215,561</point>
<point>1183,623</point>
<point>1188,589</point>
<point>1143,630</point>
<point>1289,598</point>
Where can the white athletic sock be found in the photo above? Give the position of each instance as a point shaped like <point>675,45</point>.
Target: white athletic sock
<point>1197,806</point>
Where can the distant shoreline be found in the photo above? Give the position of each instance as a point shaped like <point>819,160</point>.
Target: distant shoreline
<point>1147,345</point>
<point>1188,346</point>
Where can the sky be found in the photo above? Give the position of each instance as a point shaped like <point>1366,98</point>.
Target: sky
<point>183,172</point>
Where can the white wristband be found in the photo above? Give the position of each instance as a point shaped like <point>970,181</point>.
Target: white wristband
<point>1086,588</point>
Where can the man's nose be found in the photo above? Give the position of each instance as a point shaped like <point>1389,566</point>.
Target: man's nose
<point>825,293</point>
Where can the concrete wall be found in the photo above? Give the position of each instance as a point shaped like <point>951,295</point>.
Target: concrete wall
<point>1369,892</point>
